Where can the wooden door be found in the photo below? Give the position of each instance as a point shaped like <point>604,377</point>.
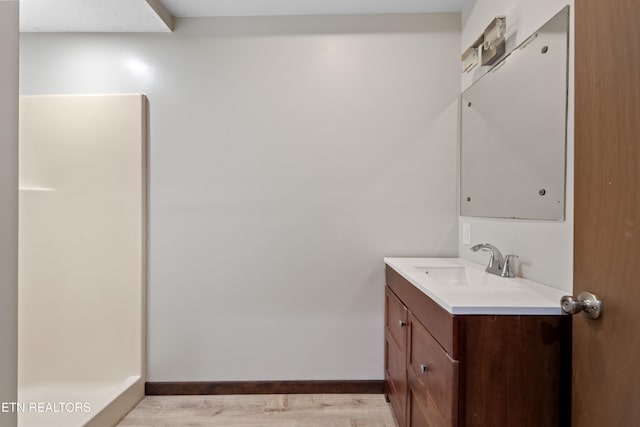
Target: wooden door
<point>606,351</point>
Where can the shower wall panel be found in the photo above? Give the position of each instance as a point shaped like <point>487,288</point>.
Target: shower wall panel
<point>82,239</point>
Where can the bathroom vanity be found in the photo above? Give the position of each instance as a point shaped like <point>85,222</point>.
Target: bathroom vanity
<point>466,348</point>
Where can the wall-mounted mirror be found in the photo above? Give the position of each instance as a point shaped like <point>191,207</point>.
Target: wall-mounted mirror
<point>513,131</point>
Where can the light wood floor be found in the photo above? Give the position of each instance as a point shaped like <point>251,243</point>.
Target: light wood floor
<point>284,410</point>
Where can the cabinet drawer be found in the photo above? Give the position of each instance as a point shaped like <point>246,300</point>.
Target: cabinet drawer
<point>433,375</point>
<point>422,411</point>
<point>396,319</point>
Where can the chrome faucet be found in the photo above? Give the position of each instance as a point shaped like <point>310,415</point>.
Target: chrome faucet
<point>498,264</point>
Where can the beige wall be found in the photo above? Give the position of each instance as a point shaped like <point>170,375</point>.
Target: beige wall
<point>545,248</point>
<point>288,156</point>
<point>8,206</point>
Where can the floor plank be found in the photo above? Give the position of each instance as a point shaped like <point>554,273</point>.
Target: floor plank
<point>281,410</point>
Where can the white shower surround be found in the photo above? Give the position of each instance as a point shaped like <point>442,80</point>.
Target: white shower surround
<point>81,258</point>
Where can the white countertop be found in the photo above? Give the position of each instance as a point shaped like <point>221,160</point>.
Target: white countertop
<point>463,287</point>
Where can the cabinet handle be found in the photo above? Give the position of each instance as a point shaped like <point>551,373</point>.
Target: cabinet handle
<point>402,323</point>
<point>424,368</point>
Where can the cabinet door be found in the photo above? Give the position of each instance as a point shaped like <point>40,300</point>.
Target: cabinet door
<point>396,354</point>
<point>396,320</point>
<point>432,378</point>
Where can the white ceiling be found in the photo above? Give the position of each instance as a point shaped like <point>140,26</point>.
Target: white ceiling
<point>139,16</point>
<point>89,16</point>
<point>193,8</point>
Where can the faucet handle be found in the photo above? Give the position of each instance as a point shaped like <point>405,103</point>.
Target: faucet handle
<point>507,268</point>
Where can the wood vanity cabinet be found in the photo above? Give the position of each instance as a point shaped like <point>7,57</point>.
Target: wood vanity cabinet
<point>473,370</point>
<point>395,344</point>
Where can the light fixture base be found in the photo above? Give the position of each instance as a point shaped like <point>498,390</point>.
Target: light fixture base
<point>493,45</point>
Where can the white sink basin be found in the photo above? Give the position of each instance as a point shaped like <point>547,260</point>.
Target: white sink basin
<point>463,287</point>
<point>457,275</point>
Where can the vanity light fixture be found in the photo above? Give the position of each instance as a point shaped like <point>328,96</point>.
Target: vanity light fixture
<point>493,45</point>
<point>469,59</point>
<point>471,56</point>
<point>488,47</point>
